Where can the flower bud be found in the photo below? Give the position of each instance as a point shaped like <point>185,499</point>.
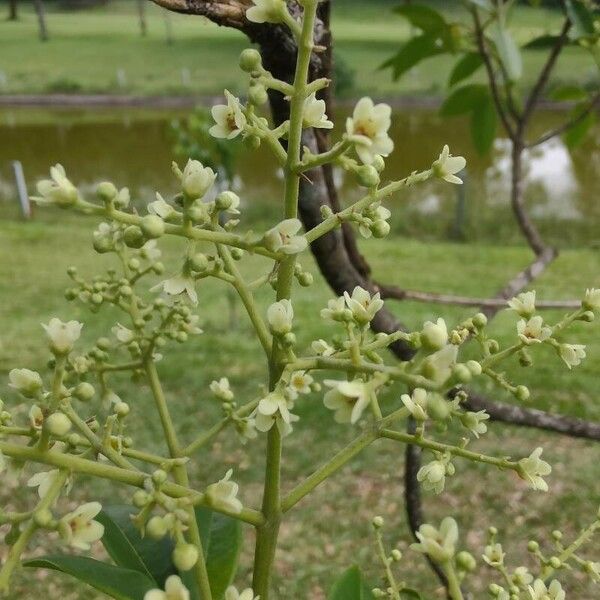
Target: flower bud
<point>434,335</point>
<point>522,393</point>
<point>250,60</point>
<point>555,562</point>
<point>196,179</point>
<point>378,163</point>
<point>228,201</point>
<point>43,517</point>
<point>305,279</point>
<point>159,477</point>
<point>185,556</point>
<point>480,320</point>
<point>199,262</point>
<point>140,498</point>
<point>57,424</point>
<point>27,382</point>
<point>252,141</point>
<point>121,409</point>
<point>377,522</point>
<point>380,228</point>
<point>152,226</point>
<point>156,528</point>
<point>106,191</point>
<point>258,94</point>
<point>474,367</point>
<point>396,555</point>
<point>587,317</point>
<point>461,373</point>
<point>533,546</point>
<point>367,176</point>
<point>466,561</point>
<point>84,391</point>
<point>133,237</point>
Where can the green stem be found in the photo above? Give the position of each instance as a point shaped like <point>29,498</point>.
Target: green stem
<point>453,584</point>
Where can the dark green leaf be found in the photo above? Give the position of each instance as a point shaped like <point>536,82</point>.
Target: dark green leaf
<point>350,586</point>
<point>542,42</point>
<point>222,539</point>
<point>508,51</point>
<point>410,594</point>
<point>129,549</point>
<point>413,52</point>
<point>117,582</point>
<point>484,123</point>
<point>581,18</point>
<point>423,17</point>
<point>463,99</point>
<point>576,134</point>
<point>566,93</point>
<point>465,67</point>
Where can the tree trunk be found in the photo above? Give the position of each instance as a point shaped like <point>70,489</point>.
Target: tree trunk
<point>41,15</point>
<point>13,14</point>
<point>141,6</point>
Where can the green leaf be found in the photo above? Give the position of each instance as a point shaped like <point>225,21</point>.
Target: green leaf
<point>413,52</point>
<point>581,18</point>
<point>129,549</point>
<point>117,582</point>
<point>508,51</point>
<point>465,67</point>
<point>463,99</point>
<point>542,42</point>
<point>484,123</point>
<point>423,17</point>
<point>222,540</point>
<point>350,586</point>
<point>565,93</point>
<point>576,134</point>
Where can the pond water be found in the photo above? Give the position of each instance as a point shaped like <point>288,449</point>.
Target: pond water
<point>134,148</point>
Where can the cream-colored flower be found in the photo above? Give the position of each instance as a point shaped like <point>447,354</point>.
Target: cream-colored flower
<point>36,417</point>
<point>533,331</point>
<point>221,389</point>
<point>493,555</point>
<point>362,305</point>
<point>283,237</point>
<point>123,334</point>
<point>25,381</point>
<point>591,300</point>
<point>539,591</point>
<point>274,409</point>
<point>179,284</point>
<point>174,590</point>
<point>434,336</point>
<point>416,403</point>
<point>56,190</point>
<point>231,593</point>
<point>572,354</point>
<point>223,494</point>
<point>475,422</point>
<point>314,113</point>
<point>321,347</point>
<point>229,118</point>
<point>300,382</point>
<point>523,304</point>
<point>532,469</point>
<point>347,398</point>
<point>42,481</point>
<point>161,208</point>
<point>280,316</point>
<point>438,544</point>
<point>446,166</point>
<point>62,336</point>
<point>368,129</point>
<point>438,366</point>
<point>266,11</point>
<point>79,529</point>
<point>433,474</point>
<point>196,179</point>
<point>336,310</point>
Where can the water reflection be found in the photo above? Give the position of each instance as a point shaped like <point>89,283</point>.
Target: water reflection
<point>134,148</point>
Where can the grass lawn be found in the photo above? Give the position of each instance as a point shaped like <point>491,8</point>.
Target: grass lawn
<point>101,51</point>
<point>327,531</point>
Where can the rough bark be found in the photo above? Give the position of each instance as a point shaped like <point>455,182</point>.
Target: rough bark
<point>41,16</point>
<point>13,12</point>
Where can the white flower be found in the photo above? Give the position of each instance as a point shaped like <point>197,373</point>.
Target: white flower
<point>438,544</point>
<point>231,593</point>
<point>280,316</point>
<point>223,494</point>
<point>57,190</point>
<point>321,347</point>
<point>416,404</point>
<point>533,331</point>
<point>591,300</point>
<point>229,202</point>
<point>161,208</point>
<point>523,304</point>
<point>433,475</point>
<point>532,469</point>
<point>368,129</point>
<point>539,591</point>
<point>522,576</point>
<point>438,366</point>
<point>493,555</point>
<point>347,398</point>
<point>79,529</point>
<point>314,113</point>
<point>362,305</point>
<point>221,389</point>
<point>274,409</point>
<point>36,417</point>
<point>300,383</point>
<point>229,118</point>
<point>434,335</point>
<point>81,364</point>
<point>123,334</point>
<point>446,166</point>
<point>336,309</point>
<point>474,422</point>
<point>179,284</point>
<point>27,382</point>
<point>572,354</point>
<point>266,11</point>
<point>123,198</point>
<point>191,325</point>
<point>174,590</point>
<point>283,238</point>
<point>62,336</point>
<point>196,179</point>
<point>42,481</point>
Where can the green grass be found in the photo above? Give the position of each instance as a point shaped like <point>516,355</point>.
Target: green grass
<point>327,531</point>
<point>87,48</point>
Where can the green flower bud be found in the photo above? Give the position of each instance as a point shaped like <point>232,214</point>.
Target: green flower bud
<point>253,142</point>
<point>587,317</point>
<point>153,226</point>
<point>228,201</point>
<point>480,320</point>
<point>305,279</point>
<point>156,528</point>
<point>367,176</point>
<point>159,477</point>
<point>102,245</point>
<point>250,60</point>
<point>57,424</point>
<point>103,343</point>
<point>438,408</point>
<point>533,546</point>
<point>377,522</point>
<point>140,498</point>
<point>525,359</point>
<point>396,555</point>
<point>237,253</point>
<point>378,163</point>
<point>474,367</point>
<point>199,262</point>
<point>185,556</point>
<point>557,535</point>
<point>466,561</point>
<point>462,373</point>
<point>122,409</point>
<point>84,391</point>
<point>289,339</point>
<point>74,439</point>
<point>555,562</point>
<point>106,191</point>
<point>493,346</point>
<point>133,237</point>
<point>258,94</point>
<point>380,228</point>
<point>43,518</point>
<point>522,393</point>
